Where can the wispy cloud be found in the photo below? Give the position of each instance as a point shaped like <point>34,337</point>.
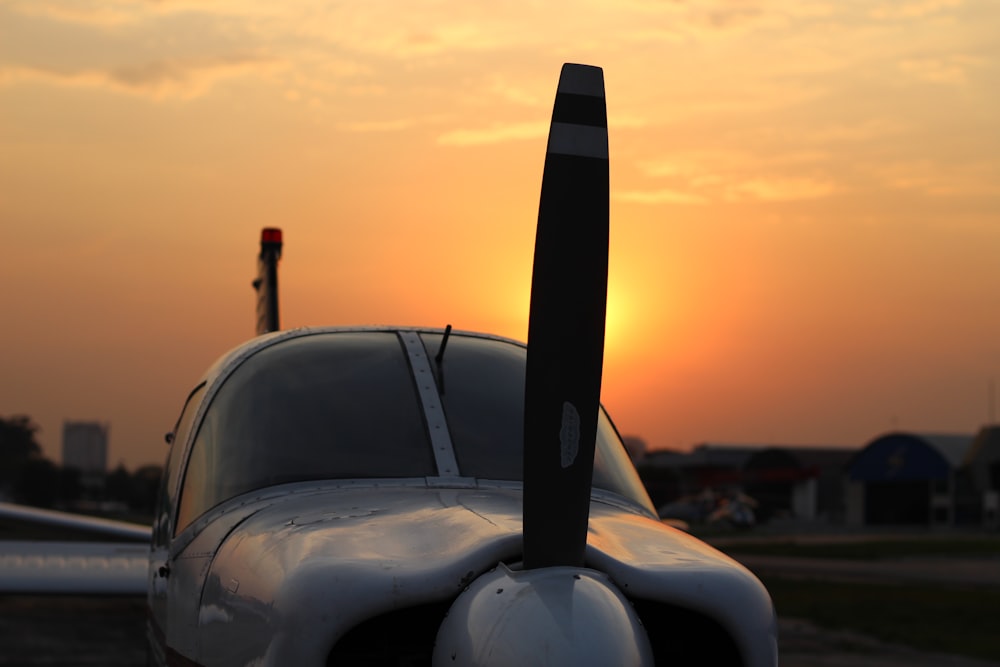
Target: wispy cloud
<point>114,13</point>
<point>494,134</point>
<point>696,166</point>
<point>940,179</point>
<point>82,12</point>
<point>703,176</point>
<point>661,196</point>
<point>185,79</point>
<point>912,10</point>
<point>781,189</point>
<point>944,70</point>
<point>410,36</point>
<point>390,125</point>
<point>516,94</point>
<point>862,131</point>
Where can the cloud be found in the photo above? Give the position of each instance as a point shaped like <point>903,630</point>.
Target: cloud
<point>863,131</point>
<point>781,189</point>
<point>701,176</point>
<point>80,11</point>
<point>628,121</point>
<point>392,125</point>
<point>938,179</point>
<point>185,79</point>
<point>517,94</point>
<point>114,13</point>
<point>494,134</point>
<point>426,36</point>
<point>912,10</point>
<point>661,196</point>
<point>947,70</point>
<point>696,165</point>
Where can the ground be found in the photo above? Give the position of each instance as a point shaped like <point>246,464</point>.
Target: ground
<point>71,631</point>
<point>802,644</point>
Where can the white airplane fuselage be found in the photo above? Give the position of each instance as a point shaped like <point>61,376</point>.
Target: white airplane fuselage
<point>312,572</point>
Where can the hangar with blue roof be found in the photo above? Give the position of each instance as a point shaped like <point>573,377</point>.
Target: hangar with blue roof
<point>924,478</point>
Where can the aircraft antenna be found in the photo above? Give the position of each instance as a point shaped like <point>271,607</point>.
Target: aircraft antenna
<point>439,357</point>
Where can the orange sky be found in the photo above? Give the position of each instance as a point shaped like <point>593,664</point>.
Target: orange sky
<point>805,199</point>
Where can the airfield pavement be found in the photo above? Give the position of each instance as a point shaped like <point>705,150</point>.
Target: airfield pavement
<point>72,631</point>
<point>67,631</point>
<point>954,571</point>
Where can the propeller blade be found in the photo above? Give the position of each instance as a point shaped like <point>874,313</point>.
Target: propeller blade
<point>566,324</point>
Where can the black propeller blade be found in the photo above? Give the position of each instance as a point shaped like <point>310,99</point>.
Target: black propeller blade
<point>566,324</point>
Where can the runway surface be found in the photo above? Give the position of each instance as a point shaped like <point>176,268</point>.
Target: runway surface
<point>72,631</point>
<point>950,571</point>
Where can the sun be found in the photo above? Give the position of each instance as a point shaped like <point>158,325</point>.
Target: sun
<point>620,319</point>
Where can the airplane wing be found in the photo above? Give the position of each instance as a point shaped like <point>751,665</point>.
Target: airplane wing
<point>106,557</point>
<point>73,568</point>
<point>81,526</point>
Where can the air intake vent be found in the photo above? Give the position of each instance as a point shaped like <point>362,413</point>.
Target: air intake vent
<point>684,638</point>
<point>403,638</point>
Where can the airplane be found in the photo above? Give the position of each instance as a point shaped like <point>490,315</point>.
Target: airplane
<point>409,496</point>
<point>734,508</point>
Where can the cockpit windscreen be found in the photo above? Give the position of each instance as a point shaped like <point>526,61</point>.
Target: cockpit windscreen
<point>343,405</point>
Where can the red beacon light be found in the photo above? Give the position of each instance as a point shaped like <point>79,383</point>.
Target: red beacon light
<point>270,235</point>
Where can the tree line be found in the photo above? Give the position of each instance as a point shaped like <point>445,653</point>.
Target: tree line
<point>27,477</point>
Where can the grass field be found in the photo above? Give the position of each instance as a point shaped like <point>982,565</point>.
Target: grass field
<point>935,618</point>
<point>875,549</point>
<point>938,619</point>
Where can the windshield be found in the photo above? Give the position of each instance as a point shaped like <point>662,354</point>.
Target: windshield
<point>325,406</point>
<point>482,387</point>
<point>343,405</point>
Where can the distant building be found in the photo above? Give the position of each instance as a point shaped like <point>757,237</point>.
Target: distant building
<point>909,478</point>
<point>800,482</point>
<point>636,447</point>
<point>85,447</point>
<point>803,482</point>
<point>984,472</point>
<point>899,478</point>
<point>926,479</point>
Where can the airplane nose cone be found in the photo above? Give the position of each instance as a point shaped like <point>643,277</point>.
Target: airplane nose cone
<point>545,616</point>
